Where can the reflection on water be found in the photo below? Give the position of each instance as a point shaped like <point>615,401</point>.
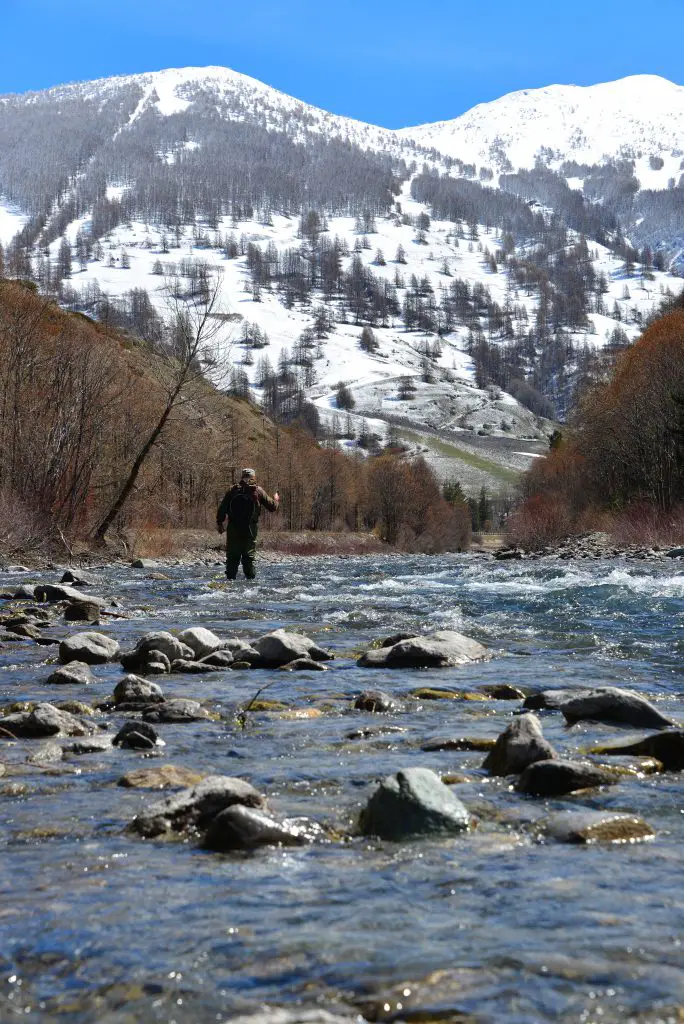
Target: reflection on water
<point>97,926</point>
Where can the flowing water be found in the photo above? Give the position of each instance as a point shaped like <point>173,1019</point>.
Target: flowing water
<point>98,925</point>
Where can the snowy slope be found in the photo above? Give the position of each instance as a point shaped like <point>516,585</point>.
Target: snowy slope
<point>173,91</point>
<point>638,116</point>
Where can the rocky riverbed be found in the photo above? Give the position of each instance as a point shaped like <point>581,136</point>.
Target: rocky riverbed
<point>401,788</point>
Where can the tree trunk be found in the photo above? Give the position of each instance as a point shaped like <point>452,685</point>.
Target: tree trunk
<point>101,531</point>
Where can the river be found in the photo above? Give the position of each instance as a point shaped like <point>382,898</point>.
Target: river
<point>99,925</point>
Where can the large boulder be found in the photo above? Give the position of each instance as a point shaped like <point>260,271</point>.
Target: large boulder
<point>92,648</point>
<point>136,692</point>
<point>194,808</point>
<point>611,704</point>
<point>45,720</point>
<point>76,673</point>
<point>557,777</point>
<point>201,641</point>
<point>666,746</point>
<point>414,802</point>
<point>54,592</point>
<point>595,827</point>
<point>282,647</point>
<point>443,649</point>
<point>245,828</point>
<point>521,743</point>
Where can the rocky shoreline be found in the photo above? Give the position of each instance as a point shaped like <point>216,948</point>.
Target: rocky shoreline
<point>595,545</point>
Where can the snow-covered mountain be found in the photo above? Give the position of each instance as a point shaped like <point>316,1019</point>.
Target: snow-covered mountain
<point>635,118</point>
<point>489,257</point>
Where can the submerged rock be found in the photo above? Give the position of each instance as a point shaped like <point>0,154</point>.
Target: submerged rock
<point>177,710</point>
<point>503,691</point>
<point>303,665</point>
<point>187,667</point>
<point>520,744</point>
<point>459,743</point>
<point>414,802</point>
<point>45,720</point>
<point>201,641</point>
<point>76,673</point>
<point>282,647</point>
<point>377,701</point>
<point>557,777</point>
<point>667,747</point>
<point>194,808</point>
<point>92,648</point>
<point>442,649</point>
<point>165,776</point>
<point>595,827</point>
<point>245,828</point>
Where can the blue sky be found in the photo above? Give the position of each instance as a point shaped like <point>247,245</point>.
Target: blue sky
<point>391,63</point>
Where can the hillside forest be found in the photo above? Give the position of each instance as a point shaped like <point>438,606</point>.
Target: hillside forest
<point>81,400</point>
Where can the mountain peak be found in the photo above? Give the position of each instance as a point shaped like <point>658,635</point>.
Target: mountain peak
<point>641,113</point>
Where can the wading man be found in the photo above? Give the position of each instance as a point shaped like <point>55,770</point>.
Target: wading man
<point>241,507</point>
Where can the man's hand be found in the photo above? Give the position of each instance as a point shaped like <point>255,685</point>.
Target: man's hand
<point>276,496</point>
<point>220,527</point>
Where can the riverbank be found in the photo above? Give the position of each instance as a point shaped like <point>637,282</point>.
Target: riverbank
<point>592,545</point>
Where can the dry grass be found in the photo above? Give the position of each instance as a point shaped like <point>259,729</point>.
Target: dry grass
<point>310,542</point>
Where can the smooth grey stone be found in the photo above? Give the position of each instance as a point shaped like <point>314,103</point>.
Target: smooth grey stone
<point>245,828</point>
<point>133,690</point>
<point>520,744</point>
<point>177,710</point>
<point>611,704</point>
<point>303,665</point>
<point>201,641</point>
<point>93,648</point>
<point>144,563</point>
<point>282,647</point>
<point>46,720</point>
<point>196,806</point>
<point>160,641</point>
<point>557,777</point>
<point>51,593</point>
<point>26,592</point>
<point>75,673</point>
<point>414,802</point>
<point>443,649</point>
<point>219,659</point>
